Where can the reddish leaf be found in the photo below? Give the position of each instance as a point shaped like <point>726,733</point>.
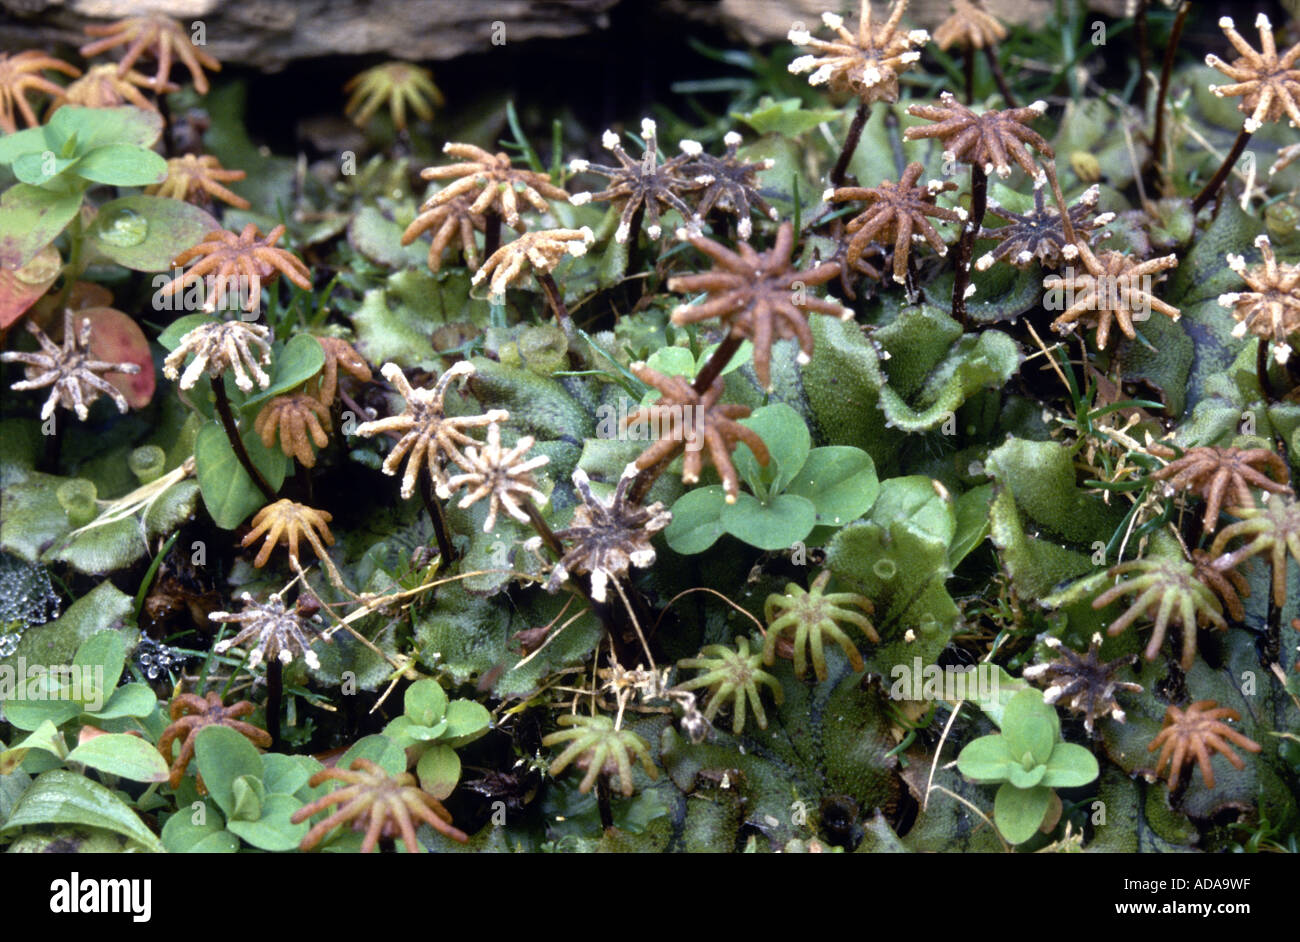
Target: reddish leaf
<point>117,338</point>
<point>20,289</point>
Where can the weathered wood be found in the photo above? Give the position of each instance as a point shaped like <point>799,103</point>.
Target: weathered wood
<point>270,34</point>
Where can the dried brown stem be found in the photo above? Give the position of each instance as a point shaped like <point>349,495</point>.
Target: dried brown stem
<point>237,443</point>
<point>1167,70</point>
<point>850,144</point>
<point>1216,182</point>
<point>979,186</point>
<point>1008,98</point>
<point>439,520</point>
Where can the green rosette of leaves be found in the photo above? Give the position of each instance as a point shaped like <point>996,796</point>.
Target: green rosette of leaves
<point>1030,760</point>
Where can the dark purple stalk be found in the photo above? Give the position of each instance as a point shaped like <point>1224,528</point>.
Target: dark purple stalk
<point>1216,182</point>
<point>237,443</point>
<point>979,185</point>
<point>850,144</point>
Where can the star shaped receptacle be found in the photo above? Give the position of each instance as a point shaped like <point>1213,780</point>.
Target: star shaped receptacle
<point>237,263</point>
<point>1267,82</point>
<point>606,539</point>
<point>504,476</point>
<point>697,422</point>
<point>428,436</point>
<point>70,372</point>
<point>271,631</point>
<point>1039,234</point>
<point>1270,309</point>
<point>759,295</point>
<point>373,801</point>
<point>637,187</point>
<point>158,35</point>
<point>896,212</point>
<point>865,64</point>
<point>1194,733</point>
<point>1111,288</point>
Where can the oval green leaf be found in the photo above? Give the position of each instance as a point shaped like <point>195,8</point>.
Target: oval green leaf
<point>122,755</point>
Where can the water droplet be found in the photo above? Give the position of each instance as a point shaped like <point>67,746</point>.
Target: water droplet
<point>9,644</point>
<point>41,269</point>
<point>124,229</point>
<point>885,568</point>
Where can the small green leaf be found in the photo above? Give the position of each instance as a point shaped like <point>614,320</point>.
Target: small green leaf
<point>776,525</point>
<point>467,720</point>
<point>37,169</point>
<point>222,756</point>
<point>30,219</point>
<point>128,700</point>
<point>1070,766</point>
<point>985,760</point>
<point>284,775</point>
<point>247,794</point>
<point>45,737</point>
<point>122,165</point>
<point>104,656</point>
<point>228,492</point>
<point>416,733</point>
<point>1022,777</point>
<point>1030,725</point>
<point>144,233</point>
<point>841,482</point>
<point>787,117</point>
<point>971,511</point>
<point>63,797</point>
<point>30,713</point>
<point>697,520</point>
<point>378,749</point>
<point>300,359</point>
<point>1019,812</point>
<point>671,361</point>
<point>13,146</point>
<point>180,835</point>
<point>439,771</point>
<point>425,703</point>
<point>788,441</point>
<point>273,831</point>
<point>122,755</point>
<point>92,128</point>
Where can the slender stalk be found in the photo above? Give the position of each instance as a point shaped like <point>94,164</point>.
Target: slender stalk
<point>1166,70</point>
<point>979,187</point>
<point>1144,55</point>
<point>51,449</point>
<point>549,539</point>
<point>439,520</point>
<point>1216,182</point>
<point>274,698</point>
<point>1261,371</point>
<point>602,803</point>
<point>76,260</point>
<point>634,240</point>
<point>717,363</point>
<point>237,443</point>
<point>556,300</point>
<point>1067,224</point>
<point>850,144</point>
<point>996,68</point>
<point>491,232</point>
<point>912,283</point>
<point>895,141</point>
